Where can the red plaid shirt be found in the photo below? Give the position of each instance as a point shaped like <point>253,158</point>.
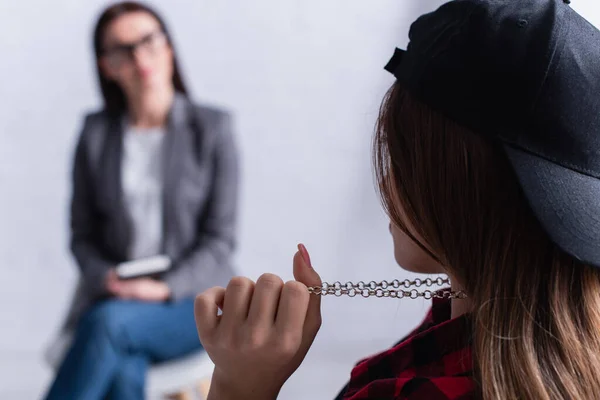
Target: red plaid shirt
<point>432,363</point>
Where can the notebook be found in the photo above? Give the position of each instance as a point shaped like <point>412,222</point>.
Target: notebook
<point>144,267</point>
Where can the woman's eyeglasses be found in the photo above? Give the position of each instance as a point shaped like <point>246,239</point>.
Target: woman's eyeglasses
<point>121,54</point>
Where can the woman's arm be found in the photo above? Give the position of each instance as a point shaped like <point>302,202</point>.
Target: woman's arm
<point>84,221</point>
<point>209,262</point>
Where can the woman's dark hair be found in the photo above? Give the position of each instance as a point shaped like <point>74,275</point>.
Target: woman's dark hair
<point>114,98</point>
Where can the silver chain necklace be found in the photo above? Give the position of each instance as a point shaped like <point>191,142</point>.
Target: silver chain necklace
<point>395,289</point>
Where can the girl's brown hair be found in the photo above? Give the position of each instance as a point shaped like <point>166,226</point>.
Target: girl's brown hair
<point>536,310</point>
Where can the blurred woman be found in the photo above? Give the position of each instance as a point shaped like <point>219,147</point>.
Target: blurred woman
<point>154,174</point>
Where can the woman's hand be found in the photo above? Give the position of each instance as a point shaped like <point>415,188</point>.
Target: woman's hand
<point>263,334</point>
<point>142,289</point>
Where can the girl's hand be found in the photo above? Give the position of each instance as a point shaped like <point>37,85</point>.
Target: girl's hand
<point>263,334</point>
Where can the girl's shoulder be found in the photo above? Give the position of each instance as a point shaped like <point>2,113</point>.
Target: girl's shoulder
<point>434,362</point>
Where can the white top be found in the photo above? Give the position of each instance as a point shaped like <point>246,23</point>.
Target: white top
<point>142,184</point>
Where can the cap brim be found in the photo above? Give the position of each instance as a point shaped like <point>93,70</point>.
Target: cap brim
<point>566,202</point>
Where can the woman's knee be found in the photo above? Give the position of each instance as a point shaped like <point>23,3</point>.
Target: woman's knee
<point>104,318</point>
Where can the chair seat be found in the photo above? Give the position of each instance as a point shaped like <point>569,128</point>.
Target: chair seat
<point>172,376</point>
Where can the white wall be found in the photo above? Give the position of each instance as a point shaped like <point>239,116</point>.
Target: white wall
<point>304,79</point>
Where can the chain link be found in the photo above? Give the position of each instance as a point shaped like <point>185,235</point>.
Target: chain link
<point>391,289</point>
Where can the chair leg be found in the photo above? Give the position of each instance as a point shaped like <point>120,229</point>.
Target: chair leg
<point>203,388</point>
<point>181,395</point>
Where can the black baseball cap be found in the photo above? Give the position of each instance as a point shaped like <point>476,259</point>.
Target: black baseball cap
<point>527,73</point>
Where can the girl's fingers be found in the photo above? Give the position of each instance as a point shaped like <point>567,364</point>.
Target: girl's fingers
<point>265,300</point>
<point>206,307</point>
<point>236,302</point>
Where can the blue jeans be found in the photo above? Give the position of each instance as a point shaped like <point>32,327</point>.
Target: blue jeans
<point>115,343</point>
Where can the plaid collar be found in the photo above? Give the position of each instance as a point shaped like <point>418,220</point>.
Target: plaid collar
<point>433,363</point>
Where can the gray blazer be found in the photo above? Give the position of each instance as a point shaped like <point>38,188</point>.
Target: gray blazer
<point>200,202</point>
